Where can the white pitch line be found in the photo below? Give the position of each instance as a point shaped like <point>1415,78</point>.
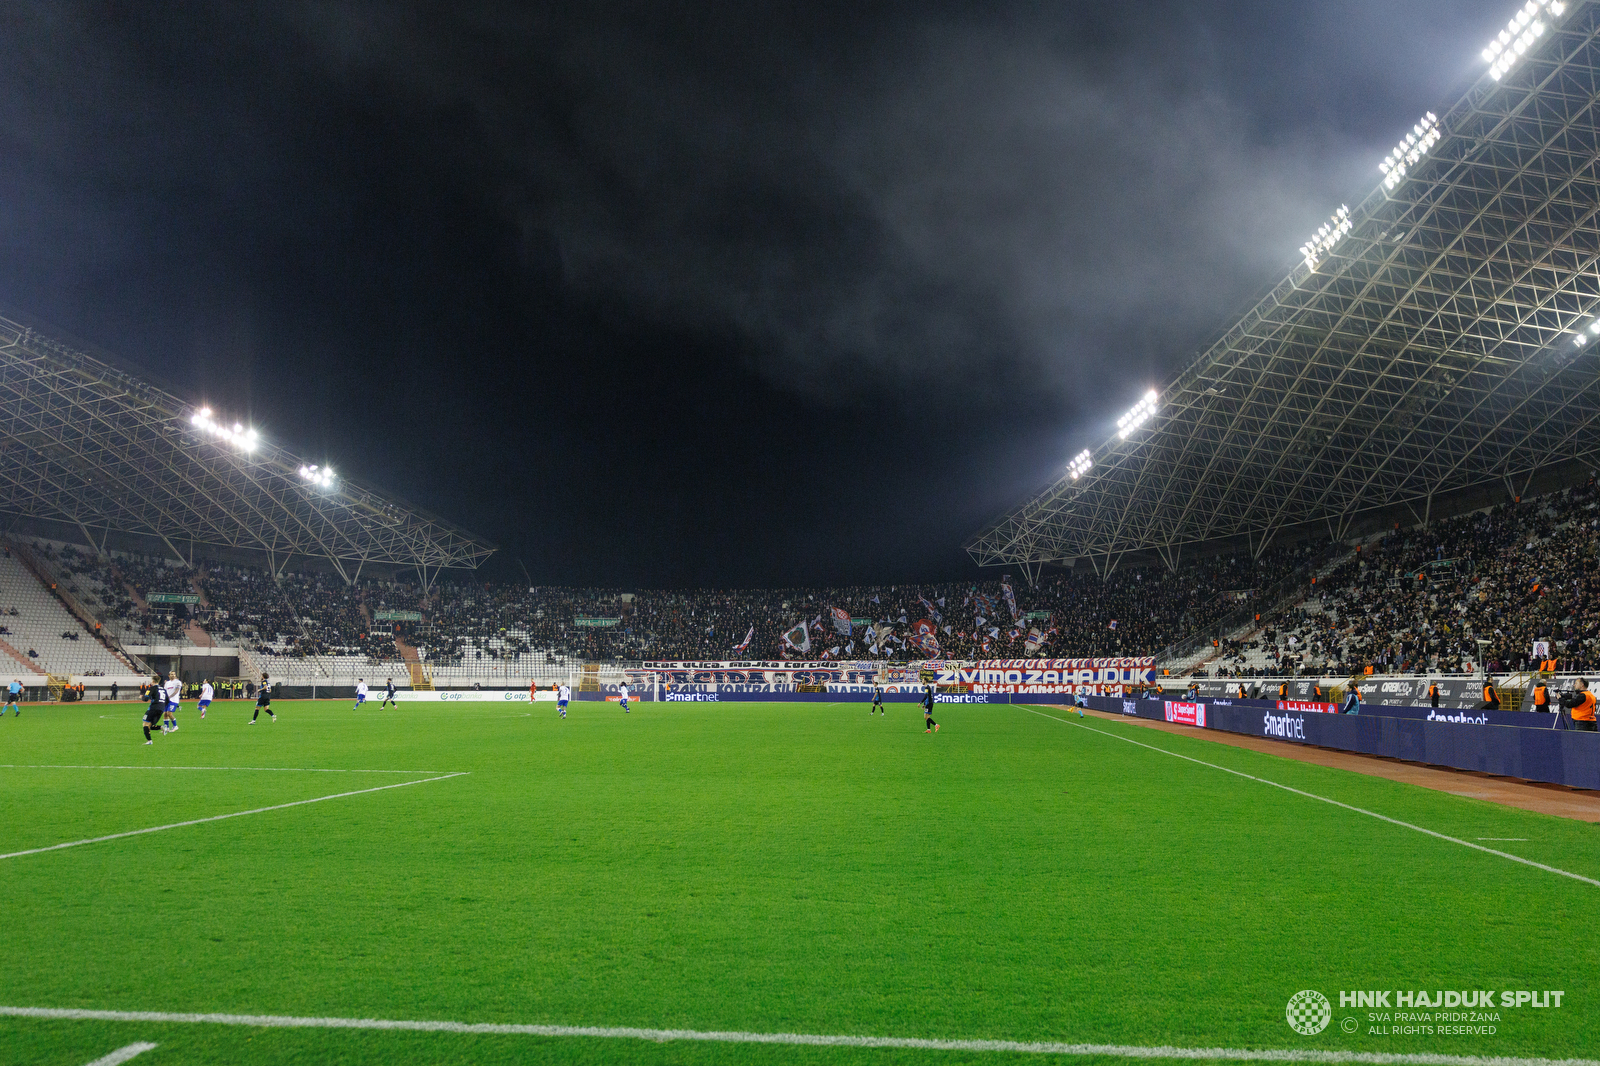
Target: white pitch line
<point>281,769</point>
<point>1124,1051</point>
<point>123,1054</point>
<point>1324,799</point>
<point>220,817</point>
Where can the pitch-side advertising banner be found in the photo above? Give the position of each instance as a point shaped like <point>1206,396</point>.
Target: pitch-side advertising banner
<point>1186,713</point>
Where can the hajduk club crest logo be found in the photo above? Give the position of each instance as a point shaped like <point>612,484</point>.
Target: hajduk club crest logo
<point>1309,1012</point>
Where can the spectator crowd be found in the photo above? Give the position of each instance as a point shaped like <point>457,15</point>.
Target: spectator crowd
<point>1417,600</point>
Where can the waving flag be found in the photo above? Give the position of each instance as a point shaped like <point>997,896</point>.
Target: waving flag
<point>841,620</point>
<point>1035,638</point>
<point>746,642</point>
<point>798,638</point>
<point>1011,597</point>
<point>982,604</point>
<point>933,612</point>
<point>925,637</point>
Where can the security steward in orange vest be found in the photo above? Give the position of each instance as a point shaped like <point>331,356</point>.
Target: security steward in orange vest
<point>1433,693</point>
<point>1491,698</point>
<point>1283,690</point>
<point>1316,691</point>
<point>1581,703</point>
<point>1541,698</point>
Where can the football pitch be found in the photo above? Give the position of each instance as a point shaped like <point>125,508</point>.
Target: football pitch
<point>735,872</point>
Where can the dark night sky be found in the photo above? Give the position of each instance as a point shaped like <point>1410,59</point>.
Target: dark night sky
<point>685,293</point>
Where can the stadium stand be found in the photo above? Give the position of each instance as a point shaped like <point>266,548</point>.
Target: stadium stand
<point>41,635</point>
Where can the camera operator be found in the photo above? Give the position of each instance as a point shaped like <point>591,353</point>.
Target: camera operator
<point>1581,704</point>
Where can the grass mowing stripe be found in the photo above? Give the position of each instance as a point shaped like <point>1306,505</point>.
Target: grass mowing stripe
<point>123,1054</point>
<point>1121,1051</point>
<point>281,769</point>
<point>220,817</point>
<point>1324,799</point>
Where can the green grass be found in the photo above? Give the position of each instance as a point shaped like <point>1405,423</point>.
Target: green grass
<point>761,867</point>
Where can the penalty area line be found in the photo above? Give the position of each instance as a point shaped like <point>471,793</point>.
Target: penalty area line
<point>222,817</point>
<point>1124,1051</point>
<point>1323,799</point>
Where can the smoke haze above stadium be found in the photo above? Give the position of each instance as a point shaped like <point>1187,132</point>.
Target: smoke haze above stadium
<point>698,294</point>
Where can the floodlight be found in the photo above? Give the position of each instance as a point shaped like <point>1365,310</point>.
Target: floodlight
<point>1423,136</point>
<point>1080,464</point>
<point>1594,327</point>
<point>1138,416</point>
<point>320,476</point>
<point>1525,28</point>
<point>238,436</point>
<point>1326,237</point>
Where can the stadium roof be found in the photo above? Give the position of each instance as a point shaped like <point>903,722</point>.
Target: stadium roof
<point>1437,337</point>
<point>86,444</point>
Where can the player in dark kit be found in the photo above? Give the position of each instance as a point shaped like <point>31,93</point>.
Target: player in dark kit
<point>158,707</point>
<point>388,697</point>
<point>877,699</point>
<point>927,711</point>
<point>263,701</point>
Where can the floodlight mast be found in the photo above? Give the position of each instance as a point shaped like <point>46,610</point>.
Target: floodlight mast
<point>1417,358</point>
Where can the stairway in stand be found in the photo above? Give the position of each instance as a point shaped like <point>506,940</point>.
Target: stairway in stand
<point>421,680</point>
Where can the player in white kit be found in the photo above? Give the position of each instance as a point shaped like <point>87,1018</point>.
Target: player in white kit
<point>622,694</point>
<point>361,693</point>
<point>174,687</point>
<point>563,694</point>
<point>206,692</point>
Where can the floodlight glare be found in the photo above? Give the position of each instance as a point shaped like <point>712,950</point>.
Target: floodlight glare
<point>1138,416</point>
<point>1423,136</point>
<point>320,476</point>
<point>1326,237</point>
<point>1520,33</point>
<point>1080,464</point>
<point>238,436</point>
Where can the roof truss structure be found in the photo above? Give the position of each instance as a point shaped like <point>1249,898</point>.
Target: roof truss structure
<point>1431,350</point>
<point>85,444</point>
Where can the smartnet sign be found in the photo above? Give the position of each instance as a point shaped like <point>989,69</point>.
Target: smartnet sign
<point>1284,726</point>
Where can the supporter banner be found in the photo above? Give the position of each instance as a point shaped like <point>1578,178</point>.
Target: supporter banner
<point>657,665</point>
<point>172,597</point>
<point>832,697</point>
<point>1088,676</point>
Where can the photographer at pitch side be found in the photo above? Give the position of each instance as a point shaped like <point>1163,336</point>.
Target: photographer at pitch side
<point>1580,703</point>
